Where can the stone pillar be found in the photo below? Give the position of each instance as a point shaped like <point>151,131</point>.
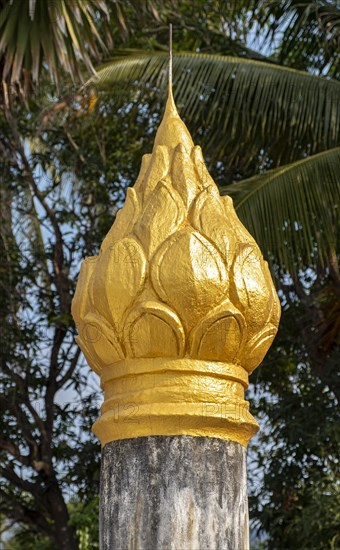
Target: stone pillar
<point>173,314</point>
<point>174,493</point>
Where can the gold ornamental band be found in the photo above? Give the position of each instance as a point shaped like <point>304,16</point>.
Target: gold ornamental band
<point>163,396</point>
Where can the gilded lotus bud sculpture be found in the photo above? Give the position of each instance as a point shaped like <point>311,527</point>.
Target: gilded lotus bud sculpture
<point>179,306</point>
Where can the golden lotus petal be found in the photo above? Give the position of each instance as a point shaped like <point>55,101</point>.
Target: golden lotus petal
<point>203,178</point>
<point>187,272</point>
<point>242,234</point>
<point>275,313</point>
<point>183,176</point>
<point>250,289</point>
<point>219,336</point>
<point>208,216</point>
<point>81,299</point>
<point>162,215</point>
<point>145,164</point>
<point>256,349</point>
<point>117,279</point>
<point>98,339</point>
<point>92,360</point>
<point>124,221</point>
<point>153,330</point>
<point>156,171</point>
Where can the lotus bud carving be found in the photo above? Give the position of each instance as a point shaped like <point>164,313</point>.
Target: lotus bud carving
<point>178,293</point>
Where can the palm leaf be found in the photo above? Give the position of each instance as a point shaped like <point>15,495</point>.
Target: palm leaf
<point>309,31</point>
<point>293,211</point>
<point>68,33</point>
<point>238,107</point>
<point>52,28</point>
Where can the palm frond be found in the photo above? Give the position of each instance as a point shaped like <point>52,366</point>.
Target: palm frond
<point>309,31</point>
<point>238,107</point>
<point>33,32</point>
<point>293,211</point>
<point>64,36</point>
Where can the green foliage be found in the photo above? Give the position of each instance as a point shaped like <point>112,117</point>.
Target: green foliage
<point>310,32</point>
<point>294,468</point>
<point>255,106</point>
<point>84,517</point>
<point>291,211</point>
<point>55,32</point>
<point>22,539</point>
<point>62,35</point>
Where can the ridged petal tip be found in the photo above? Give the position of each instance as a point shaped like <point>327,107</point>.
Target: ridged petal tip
<point>172,130</point>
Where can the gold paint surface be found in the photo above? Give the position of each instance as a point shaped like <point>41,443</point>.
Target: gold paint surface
<point>179,306</point>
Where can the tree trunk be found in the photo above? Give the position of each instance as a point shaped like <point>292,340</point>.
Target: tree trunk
<point>169,493</point>
<point>64,534</point>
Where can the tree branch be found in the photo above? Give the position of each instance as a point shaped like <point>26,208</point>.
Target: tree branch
<point>70,370</point>
<point>24,425</point>
<point>23,514</point>
<point>14,450</point>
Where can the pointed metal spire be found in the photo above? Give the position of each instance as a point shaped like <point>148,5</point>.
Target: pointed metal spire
<point>170,58</point>
<point>172,130</point>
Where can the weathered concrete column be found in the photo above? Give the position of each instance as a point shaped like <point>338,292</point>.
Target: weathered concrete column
<point>173,493</point>
<point>174,313</point>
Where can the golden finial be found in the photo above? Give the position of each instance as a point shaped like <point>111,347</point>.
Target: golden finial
<point>179,306</point>
<point>172,129</point>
